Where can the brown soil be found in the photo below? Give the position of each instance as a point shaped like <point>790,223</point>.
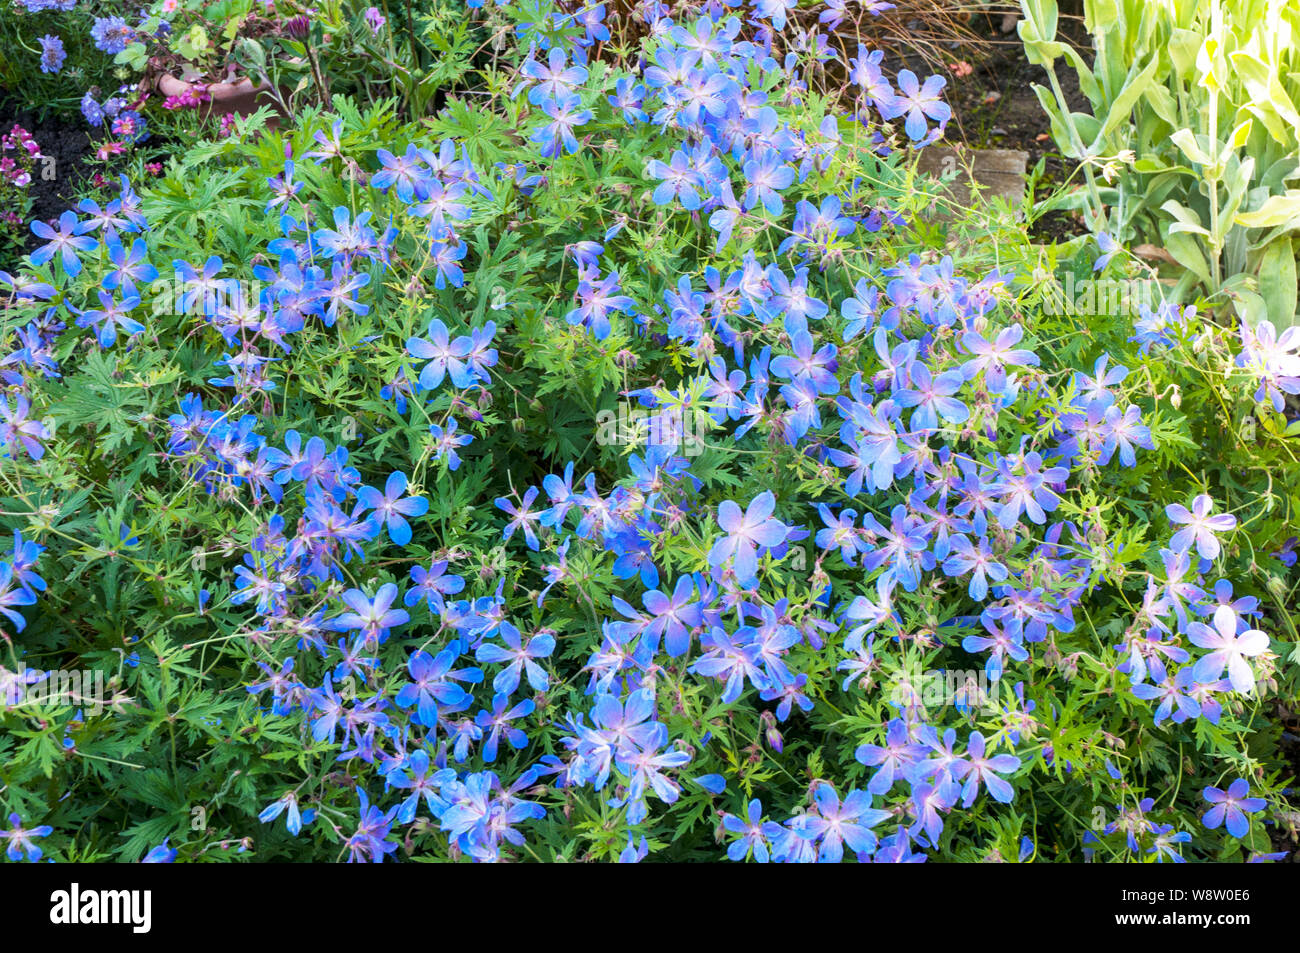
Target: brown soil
<point>995,108</point>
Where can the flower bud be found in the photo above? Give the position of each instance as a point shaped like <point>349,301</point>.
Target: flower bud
<point>774,739</point>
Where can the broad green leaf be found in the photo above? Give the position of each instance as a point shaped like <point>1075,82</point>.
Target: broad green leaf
<point>1278,210</point>
<point>1100,15</point>
<point>1185,141</point>
<point>1122,107</point>
<point>1187,251</point>
<point>1162,102</point>
<point>1185,220</point>
<point>1277,282</point>
<point>1183,45</point>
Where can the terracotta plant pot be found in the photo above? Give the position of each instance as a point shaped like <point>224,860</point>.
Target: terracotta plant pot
<point>240,98</point>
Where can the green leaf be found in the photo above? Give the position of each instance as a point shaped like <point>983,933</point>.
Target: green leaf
<point>1182,47</point>
<point>1185,220</point>
<point>1122,107</point>
<point>1187,251</point>
<point>1278,210</point>
<point>1277,282</point>
<point>1186,141</point>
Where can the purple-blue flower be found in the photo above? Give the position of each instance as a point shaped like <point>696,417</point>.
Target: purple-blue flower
<point>391,509</point>
<point>52,53</point>
<point>744,532</point>
<point>1231,806</point>
<point>66,242</point>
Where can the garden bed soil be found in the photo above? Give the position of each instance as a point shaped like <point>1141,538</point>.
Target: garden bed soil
<point>67,141</point>
<point>994,107</point>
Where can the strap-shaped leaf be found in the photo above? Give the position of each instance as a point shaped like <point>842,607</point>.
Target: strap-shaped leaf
<point>1122,107</point>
